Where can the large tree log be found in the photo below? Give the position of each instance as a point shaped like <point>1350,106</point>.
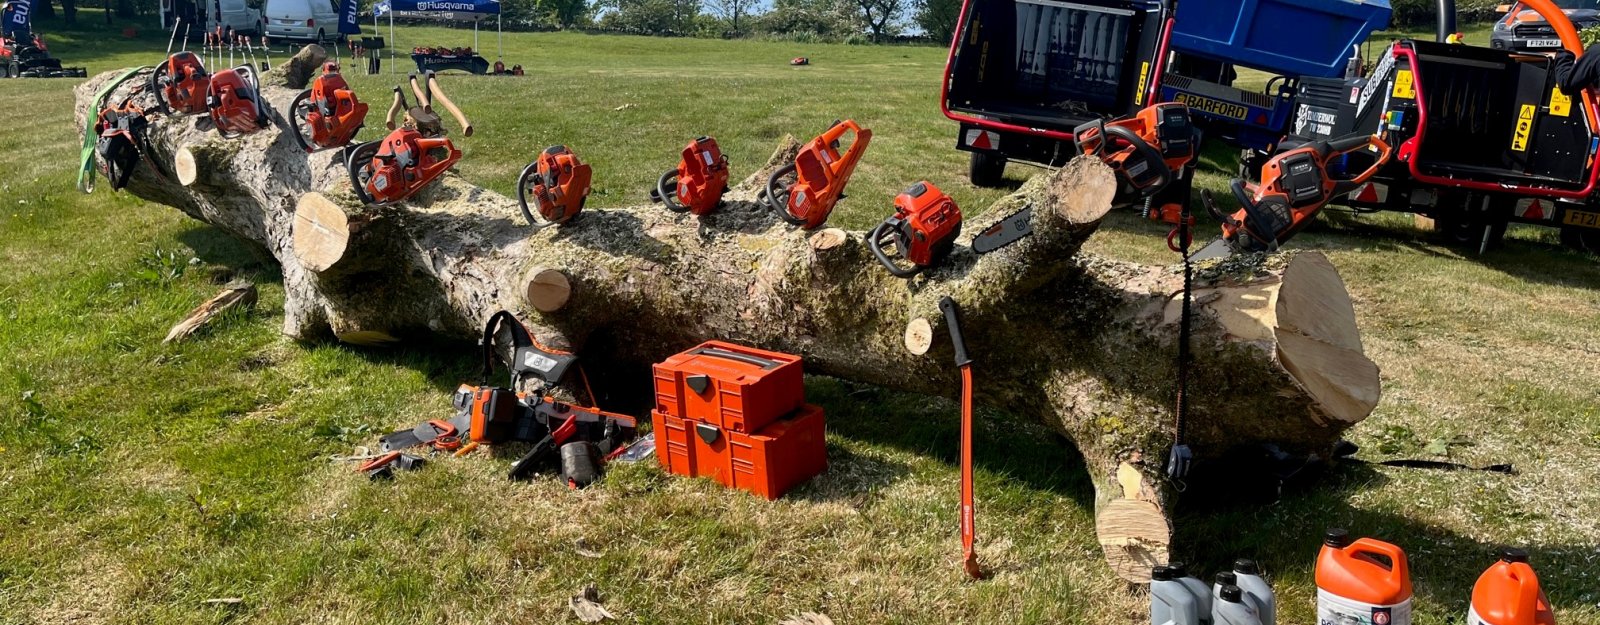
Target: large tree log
<point>1084,344</point>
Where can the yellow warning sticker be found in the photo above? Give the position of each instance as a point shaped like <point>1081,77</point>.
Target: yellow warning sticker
<point>1144,77</point>
<point>1403,86</point>
<point>1560,103</point>
<point>1524,128</point>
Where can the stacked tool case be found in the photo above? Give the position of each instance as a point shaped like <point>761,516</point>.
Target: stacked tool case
<point>738,416</point>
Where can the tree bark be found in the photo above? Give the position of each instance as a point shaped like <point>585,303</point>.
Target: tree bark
<point>1084,344</point>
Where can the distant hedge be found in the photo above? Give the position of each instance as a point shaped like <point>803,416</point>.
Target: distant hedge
<point>1424,13</point>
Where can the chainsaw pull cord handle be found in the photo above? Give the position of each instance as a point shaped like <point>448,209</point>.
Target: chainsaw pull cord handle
<point>952,321</point>
<point>1180,457</point>
<point>438,92</point>
<point>875,243</point>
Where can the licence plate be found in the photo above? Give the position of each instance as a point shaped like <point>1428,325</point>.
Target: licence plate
<point>1544,43</point>
<point>1583,219</point>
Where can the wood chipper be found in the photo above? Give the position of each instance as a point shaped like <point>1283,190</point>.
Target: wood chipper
<point>1483,137</point>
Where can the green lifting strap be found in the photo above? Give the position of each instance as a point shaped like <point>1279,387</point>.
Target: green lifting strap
<point>86,159</point>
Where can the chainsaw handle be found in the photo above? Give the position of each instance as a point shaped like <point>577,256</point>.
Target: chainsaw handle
<point>438,92</point>
<point>1148,152</point>
<point>1090,131</point>
<point>1341,187</point>
<point>1242,195</point>
<point>395,108</point>
<point>875,243</point>
<point>952,320</point>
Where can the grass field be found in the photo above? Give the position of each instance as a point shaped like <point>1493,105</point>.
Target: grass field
<point>140,480</point>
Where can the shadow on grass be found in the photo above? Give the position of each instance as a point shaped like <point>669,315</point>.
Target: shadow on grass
<point>1285,537</point>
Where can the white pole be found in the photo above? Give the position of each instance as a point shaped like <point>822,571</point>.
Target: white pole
<point>500,39</point>
<point>392,42</point>
<point>474,36</point>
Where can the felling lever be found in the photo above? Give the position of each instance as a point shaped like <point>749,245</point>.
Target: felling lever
<point>820,173</point>
<point>414,154</point>
<point>1295,185</point>
<point>969,552</point>
<point>923,229</point>
<point>1148,151</point>
<point>328,115</point>
<point>696,185</point>
<point>556,184</point>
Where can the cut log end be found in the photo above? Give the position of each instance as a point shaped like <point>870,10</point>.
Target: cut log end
<point>1130,522</point>
<point>321,232</point>
<point>547,290</point>
<point>1082,191</point>
<point>828,238</point>
<point>919,336</point>
<point>184,164</point>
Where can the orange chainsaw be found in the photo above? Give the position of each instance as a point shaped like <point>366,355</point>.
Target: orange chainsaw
<point>414,154</point>
<point>923,229</point>
<point>233,100</point>
<point>180,84</point>
<point>120,142</point>
<point>328,115</point>
<point>1295,185</point>
<point>697,184</point>
<point>821,172</point>
<point>556,184</point>
<point>1147,151</point>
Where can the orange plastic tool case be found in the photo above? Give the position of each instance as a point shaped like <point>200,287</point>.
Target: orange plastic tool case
<point>729,386</point>
<point>768,463</point>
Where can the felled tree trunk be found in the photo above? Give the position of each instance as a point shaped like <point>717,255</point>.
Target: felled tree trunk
<point>1084,344</point>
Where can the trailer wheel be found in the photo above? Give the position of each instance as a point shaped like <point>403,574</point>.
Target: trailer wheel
<point>987,169</point>
<point>1581,239</point>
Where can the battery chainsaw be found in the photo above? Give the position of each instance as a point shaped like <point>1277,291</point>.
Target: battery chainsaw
<point>328,115</point>
<point>923,229</point>
<point>697,184</point>
<point>233,100</point>
<point>415,152</point>
<point>556,184</point>
<point>180,84</point>
<point>120,142</point>
<point>1147,150</point>
<point>820,173</point>
<point>1294,187</point>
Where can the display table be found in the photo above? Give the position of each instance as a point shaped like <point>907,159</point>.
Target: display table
<point>439,62</point>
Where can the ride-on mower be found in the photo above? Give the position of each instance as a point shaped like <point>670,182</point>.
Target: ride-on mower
<point>696,185</point>
<point>556,184</point>
<point>1295,185</point>
<point>233,99</point>
<point>22,51</point>
<point>415,152</point>
<point>923,229</point>
<point>328,115</point>
<point>1148,151</point>
<point>821,172</point>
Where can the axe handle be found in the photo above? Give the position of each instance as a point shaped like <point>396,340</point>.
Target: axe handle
<point>422,96</point>
<point>433,86</point>
<point>395,108</point>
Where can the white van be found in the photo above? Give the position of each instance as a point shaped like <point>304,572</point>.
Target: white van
<point>233,14</point>
<point>302,20</point>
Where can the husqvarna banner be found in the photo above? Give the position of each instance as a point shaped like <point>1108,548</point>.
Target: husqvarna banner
<point>349,18</point>
<point>15,16</point>
<point>447,9</point>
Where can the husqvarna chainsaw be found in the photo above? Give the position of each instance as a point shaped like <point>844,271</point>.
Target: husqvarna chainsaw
<point>1295,185</point>
<point>553,188</point>
<point>820,173</point>
<point>328,115</point>
<point>180,83</point>
<point>233,100</point>
<point>120,142</point>
<point>1148,151</point>
<point>696,185</point>
<point>923,229</point>
<point>414,154</point>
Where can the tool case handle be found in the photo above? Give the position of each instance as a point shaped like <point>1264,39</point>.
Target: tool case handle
<point>764,363</point>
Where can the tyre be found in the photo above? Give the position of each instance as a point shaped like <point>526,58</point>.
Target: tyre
<point>986,169</point>
<point>1581,239</point>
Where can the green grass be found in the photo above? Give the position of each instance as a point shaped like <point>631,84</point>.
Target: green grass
<point>138,480</point>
